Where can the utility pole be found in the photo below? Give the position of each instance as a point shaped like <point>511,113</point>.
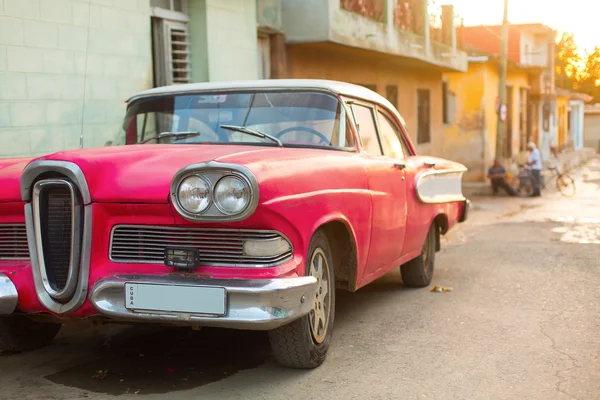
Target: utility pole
<point>502,85</point>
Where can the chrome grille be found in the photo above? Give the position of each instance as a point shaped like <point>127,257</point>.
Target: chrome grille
<point>13,242</point>
<point>146,244</point>
<point>56,210</point>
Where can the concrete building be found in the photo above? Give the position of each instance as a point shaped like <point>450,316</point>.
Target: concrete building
<point>470,134</point>
<point>530,45</point>
<point>592,126</point>
<point>67,66</point>
<point>388,46</point>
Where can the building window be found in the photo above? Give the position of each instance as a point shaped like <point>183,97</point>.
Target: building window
<point>173,5</point>
<point>391,93</point>
<point>171,44</point>
<point>264,57</point>
<point>423,116</point>
<point>373,9</point>
<point>365,124</point>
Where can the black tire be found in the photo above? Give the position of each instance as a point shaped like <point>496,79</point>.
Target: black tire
<point>296,345</point>
<point>419,271</point>
<point>565,185</point>
<point>19,333</point>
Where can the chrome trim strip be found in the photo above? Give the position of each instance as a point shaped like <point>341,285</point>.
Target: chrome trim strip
<point>73,171</point>
<point>69,169</point>
<point>179,229</point>
<point>9,296</point>
<point>82,283</point>
<point>252,304</point>
<point>71,283</point>
<point>220,169</point>
<point>442,197</point>
<point>14,229</point>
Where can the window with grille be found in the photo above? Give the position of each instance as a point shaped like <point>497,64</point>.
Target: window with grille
<point>171,52</point>
<point>423,116</point>
<point>391,93</point>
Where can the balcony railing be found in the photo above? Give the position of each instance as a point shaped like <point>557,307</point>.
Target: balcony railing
<point>372,9</point>
<point>408,16</point>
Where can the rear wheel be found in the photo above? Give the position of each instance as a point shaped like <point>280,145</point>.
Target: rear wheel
<point>19,333</point>
<point>304,343</point>
<point>523,186</point>
<point>419,271</point>
<point>565,185</point>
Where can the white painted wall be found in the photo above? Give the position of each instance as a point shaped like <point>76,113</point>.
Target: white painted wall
<point>527,48</point>
<point>231,39</point>
<point>53,78</point>
<point>577,123</point>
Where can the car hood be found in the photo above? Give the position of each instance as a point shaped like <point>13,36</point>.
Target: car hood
<point>143,173</point>
<point>10,176</point>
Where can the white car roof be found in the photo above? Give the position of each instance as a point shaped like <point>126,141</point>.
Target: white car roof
<point>336,87</point>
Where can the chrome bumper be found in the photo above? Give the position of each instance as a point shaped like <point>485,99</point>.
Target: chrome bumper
<point>8,295</point>
<point>251,304</point>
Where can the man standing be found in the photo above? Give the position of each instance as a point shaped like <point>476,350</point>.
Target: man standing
<point>497,175</point>
<point>535,162</point>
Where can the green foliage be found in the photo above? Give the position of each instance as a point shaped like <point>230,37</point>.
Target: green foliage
<point>577,72</point>
<point>568,61</point>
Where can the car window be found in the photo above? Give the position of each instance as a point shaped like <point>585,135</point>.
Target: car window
<point>367,132</point>
<point>390,137</point>
<point>296,118</point>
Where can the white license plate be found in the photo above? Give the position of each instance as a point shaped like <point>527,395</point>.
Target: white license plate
<point>171,298</point>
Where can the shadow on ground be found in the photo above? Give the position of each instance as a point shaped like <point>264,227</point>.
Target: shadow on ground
<point>157,360</point>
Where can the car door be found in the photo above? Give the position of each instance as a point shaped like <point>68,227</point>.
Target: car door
<point>385,179</point>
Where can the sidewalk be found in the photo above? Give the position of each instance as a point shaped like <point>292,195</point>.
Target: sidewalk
<point>487,209</point>
<point>568,161</point>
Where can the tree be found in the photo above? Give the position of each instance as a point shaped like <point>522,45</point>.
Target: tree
<point>568,61</point>
<point>589,77</point>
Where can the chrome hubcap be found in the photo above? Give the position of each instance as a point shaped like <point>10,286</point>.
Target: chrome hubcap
<point>319,315</point>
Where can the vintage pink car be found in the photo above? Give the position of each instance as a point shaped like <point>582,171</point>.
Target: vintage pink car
<point>239,205</point>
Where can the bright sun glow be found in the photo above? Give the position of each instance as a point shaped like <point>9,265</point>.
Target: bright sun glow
<point>577,16</point>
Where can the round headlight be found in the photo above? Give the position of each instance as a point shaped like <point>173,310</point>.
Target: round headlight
<point>194,194</point>
<point>232,195</point>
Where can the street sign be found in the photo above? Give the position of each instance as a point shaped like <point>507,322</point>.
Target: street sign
<point>503,112</point>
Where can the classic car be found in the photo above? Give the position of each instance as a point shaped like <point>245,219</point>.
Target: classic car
<point>238,205</point>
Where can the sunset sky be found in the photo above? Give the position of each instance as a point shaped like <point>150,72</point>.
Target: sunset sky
<point>581,17</point>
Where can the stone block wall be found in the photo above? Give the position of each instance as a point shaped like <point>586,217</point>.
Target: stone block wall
<point>66,68</point>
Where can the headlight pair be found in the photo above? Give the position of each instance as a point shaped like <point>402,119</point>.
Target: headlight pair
<point>231,194</point>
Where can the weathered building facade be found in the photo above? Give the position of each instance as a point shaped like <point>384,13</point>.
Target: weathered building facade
<point>391,47</point>
<point>67,66</point>
<point>470,135</point>
<point>531,46</point>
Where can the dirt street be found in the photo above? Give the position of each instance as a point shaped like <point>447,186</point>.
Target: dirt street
<point>522,322</point>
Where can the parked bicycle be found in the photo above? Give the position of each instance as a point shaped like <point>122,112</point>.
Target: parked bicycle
<point>523,182</point>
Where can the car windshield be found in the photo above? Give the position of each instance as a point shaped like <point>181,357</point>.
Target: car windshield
<point>304,119</point>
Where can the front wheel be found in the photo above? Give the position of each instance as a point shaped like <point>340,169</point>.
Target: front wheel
<point>419,271</point>
<point>304,343</point>
<point>565,185</point>
<point>19,333</point>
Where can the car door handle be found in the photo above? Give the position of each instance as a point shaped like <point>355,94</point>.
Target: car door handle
<point>429,164</point>
<point>400,165</point>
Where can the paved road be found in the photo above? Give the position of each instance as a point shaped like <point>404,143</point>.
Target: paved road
<point>523,322</point>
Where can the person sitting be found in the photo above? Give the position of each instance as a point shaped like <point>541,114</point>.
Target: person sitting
<point>497,175</point>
